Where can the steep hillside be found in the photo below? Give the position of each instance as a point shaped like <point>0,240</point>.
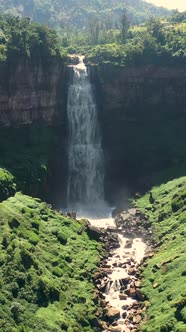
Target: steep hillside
<point>164,275</point>
<point>78,13</point>
<point>46,267</point>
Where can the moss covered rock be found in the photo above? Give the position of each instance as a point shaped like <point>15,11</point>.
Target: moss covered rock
<point>7,184</point>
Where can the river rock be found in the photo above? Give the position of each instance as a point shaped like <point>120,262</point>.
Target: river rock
<point>132,211</point>
<point>94,233</point>
<point>137,283</point>
<point>125,307</point>
<point>132,292</point>
<point>113,313</point>
<point>111,229</point>
<point>125,281</point>
<point>115,329</point>
<point>128,244</point>
<point>131,271</point>
<point>122,296</point>
<point>139,294</point>
<point>137,319</point>
<point>126,329</point>
<point>124,315</point>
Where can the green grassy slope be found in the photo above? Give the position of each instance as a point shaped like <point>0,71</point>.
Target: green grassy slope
<point>164,282</point>
<point>46,267</point>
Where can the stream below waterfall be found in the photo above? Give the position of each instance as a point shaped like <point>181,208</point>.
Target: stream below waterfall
<point>122,287</point>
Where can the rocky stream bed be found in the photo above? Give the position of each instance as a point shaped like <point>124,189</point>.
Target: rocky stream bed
<point>118,280</point>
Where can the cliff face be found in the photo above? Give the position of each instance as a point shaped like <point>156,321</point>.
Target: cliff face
<point>142,112</point>
<point>33,125</point>
<point>143,117</point>
<point>30,92</point>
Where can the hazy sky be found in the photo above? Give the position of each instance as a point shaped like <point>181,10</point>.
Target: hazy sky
<point>172,4</point>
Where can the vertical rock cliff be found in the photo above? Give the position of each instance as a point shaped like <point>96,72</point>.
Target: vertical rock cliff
<point>143,119</point>
<point>31,92</point>
<point>33,124</point>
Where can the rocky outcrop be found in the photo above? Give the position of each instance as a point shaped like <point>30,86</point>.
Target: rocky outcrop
<point>142,112</point>
<point>31,92</point>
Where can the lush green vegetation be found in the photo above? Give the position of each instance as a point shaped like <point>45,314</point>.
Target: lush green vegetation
<point>111,39</point>
<point>79,13</point>
<point>27,159</point>
<point>46,267</point>
<point>81,23</point>
<point>21,38</point>
<point>7,184</point>
<point>164,277</point>
<point>155,42</point>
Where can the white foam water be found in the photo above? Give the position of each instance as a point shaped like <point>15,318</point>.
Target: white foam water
<point>85,154</point>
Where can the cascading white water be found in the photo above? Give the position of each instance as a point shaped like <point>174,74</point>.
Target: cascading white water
<point>85,154</point>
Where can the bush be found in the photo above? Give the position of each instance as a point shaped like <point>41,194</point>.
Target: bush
<point>178,200</point>
<point>7,184</point>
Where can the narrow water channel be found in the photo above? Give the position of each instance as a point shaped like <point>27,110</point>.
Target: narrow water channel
<point>123,280</point>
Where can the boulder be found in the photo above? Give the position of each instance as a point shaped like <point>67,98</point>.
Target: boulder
<point>139,294</point>
<point>128,244</point>
<point>132,292</point>
<point>122,296</point>
<point>137,319</point>
<point>94,233</point>
<point>132,271</point>
<point>113,314</point>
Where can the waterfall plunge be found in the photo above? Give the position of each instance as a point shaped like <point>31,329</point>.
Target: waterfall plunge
<point>85,155</point>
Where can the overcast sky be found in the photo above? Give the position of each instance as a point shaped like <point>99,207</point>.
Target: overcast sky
<point>172,4</point>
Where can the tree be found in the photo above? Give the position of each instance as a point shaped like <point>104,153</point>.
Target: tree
<point>94,30</point>
<point>155,29</point>
<point>125,23</point>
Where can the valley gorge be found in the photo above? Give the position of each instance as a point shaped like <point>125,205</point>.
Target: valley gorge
<point>140,115</point>
<point>92,166</point>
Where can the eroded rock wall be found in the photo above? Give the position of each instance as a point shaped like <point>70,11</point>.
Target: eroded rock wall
<point>33,126</point>
<point>143,117</point>
<point>31,92</point>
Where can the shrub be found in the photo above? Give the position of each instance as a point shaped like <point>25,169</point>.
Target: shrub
<point>7,184</point>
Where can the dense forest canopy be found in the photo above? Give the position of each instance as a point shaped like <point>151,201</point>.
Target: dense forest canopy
<point>158,41</point>
<point>21,38</point>
<point>78,13</point>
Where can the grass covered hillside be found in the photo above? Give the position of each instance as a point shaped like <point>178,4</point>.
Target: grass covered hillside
<point>46,264</point>
<point>164,279</point>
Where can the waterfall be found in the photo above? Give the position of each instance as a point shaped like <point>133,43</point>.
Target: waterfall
<point>85,154</point>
